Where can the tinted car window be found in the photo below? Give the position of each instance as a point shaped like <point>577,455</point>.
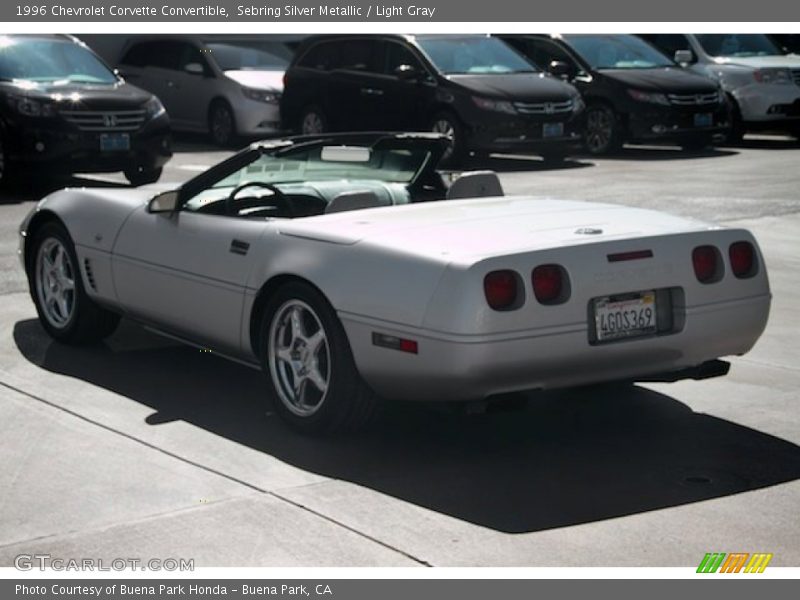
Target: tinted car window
<point>35,59</point>
<point>738,45</point>
<point>322,56</point>
<point>163,54</point>
<point>668,43</point>
<point>617,52</point>
<point>233,55</point>
<point>543,52</point>
<point>359,55</point>
<point>397,55</point>
<point>474,54</point>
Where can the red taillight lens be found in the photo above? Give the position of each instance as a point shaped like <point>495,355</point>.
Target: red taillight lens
<point>548,283</point>
<point>501,289</point>
<point>704,260</point>
<point>743,258</point>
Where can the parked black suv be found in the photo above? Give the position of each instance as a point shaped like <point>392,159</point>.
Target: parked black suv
<point>632,91</point>
<point>62,109</point>
<point>476,89</point>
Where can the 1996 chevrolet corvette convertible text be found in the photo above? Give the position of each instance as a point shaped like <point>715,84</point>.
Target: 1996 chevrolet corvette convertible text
<point>348,269</point>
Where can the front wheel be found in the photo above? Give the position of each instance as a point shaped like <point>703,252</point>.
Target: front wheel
<point>222,124</point>
<point>448,125</point>
<point>603,131</point>
<point>313,121</point>
<point>142,176</point>
<point>66,312</point>
<point>309,365</point>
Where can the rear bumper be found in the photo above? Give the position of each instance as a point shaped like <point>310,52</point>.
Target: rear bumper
<point>474,367</point>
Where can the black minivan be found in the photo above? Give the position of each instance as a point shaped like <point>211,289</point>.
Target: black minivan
<point>474,88</point>
<point>632,91</point>
<point>62,110</point>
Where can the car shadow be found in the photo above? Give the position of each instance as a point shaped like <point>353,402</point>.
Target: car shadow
<point>567,457</point>
<point>662,153</point>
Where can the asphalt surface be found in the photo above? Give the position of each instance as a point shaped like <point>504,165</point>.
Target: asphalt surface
<point>145,448</point>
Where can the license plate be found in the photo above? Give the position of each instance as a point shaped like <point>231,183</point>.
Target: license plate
<point>115,142</point>
<point>627,316</point>
<point>552,130</point>
<point>703,120</point>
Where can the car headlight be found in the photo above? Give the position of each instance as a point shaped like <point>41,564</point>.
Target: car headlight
<point>31,108</point>
<point>153,108</point>
<point>502,106</point>
<point>779,76</point>
<point>261,95</point>
<point>651,97</point>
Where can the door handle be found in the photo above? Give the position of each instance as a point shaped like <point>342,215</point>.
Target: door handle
<point>371,92</point>
<point>171,84</point>
<point>239,247</point>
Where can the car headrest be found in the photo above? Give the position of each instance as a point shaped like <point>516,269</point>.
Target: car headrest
<point>475,184</point>
<point>354,201</point>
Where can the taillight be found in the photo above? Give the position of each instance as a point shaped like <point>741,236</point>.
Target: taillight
<point>548,284</point>
<point>743,259</point>
<point>706,263</point>
<point>501,289</point>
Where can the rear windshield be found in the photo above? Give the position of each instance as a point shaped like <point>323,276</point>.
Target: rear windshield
<point>235,55</point>
<point>50,60</point>
<point>617,52</point>
<point>741,45</point>
<point>473,54</point>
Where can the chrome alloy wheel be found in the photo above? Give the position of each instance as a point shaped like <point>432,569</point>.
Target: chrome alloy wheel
<point>299,358</point>
<point>312,123</point>
<point>55,282</point>
<point>445,127</point>
<point>599,130</point>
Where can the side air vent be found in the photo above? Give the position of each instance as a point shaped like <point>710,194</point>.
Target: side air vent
<point>87,267</point>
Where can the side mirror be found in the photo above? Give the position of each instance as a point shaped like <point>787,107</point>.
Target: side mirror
<point>559,68</point>
<point>684,57</point>
<point>406,73</point>
<point>194,68</point>
<point>165,202</point>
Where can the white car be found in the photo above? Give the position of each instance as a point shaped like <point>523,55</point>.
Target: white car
<point>225,86</point>
<point>347,269</point>
<point>761,80</point>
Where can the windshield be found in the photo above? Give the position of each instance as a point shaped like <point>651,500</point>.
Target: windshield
<point>741,45</point>
<point>617,52</point>
<point>474,54</point>
<point>238,55</point>
<point>50,60</point>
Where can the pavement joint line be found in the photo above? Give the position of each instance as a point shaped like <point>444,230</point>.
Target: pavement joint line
<point>213,471</point>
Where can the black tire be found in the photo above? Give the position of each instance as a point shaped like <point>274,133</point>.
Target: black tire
<point>603,130</point>
<point>222,124</point>
<point>347,404</point>
<point>86,322</point>
<point>312,121</point>
<point>697,143</point>
<point>447,123</point>
<point>735,134</point>
<point>142,176</point>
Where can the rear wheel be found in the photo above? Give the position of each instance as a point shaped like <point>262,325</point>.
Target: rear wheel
<point>309,365</point>
<point>66,312</point>
<point>448,124</point>
<point>221,124</point>
<point>603,131</point>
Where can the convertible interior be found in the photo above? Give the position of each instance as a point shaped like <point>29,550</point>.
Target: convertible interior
<point>318,177</point>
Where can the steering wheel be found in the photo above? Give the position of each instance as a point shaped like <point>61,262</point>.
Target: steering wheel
<point>278,198</point>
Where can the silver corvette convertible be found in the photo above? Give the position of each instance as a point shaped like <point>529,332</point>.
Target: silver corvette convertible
<point>349,268</point>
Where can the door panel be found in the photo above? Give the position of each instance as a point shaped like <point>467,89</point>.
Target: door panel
<point>179,272</point>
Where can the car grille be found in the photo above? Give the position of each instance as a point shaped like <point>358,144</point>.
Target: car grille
<point>105,120</point>
<point>693,99</point>
<point>543,108</point>
<point>796,76</point>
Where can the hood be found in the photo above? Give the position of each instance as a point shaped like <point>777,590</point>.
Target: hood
<point>89,96</point>
<point>532,87</point>
<point>470,230</point>
<point>665,79</point>
<point>791,61</point>
<point>261,80</point>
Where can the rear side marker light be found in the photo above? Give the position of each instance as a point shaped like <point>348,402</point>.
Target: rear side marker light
<point>501,289</point>
<point>550,284</point>
<point>395,343</point>
<point>743,259</point>
<point>635,255</point>
<point>706,263</point>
